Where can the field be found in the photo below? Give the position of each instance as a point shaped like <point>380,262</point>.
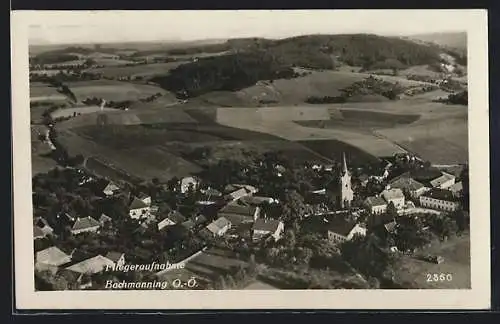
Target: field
<point>456,254</point>
<point>73,111</point>
<point>144,70</point>
<point>112,90</point>
<point>44,92</point>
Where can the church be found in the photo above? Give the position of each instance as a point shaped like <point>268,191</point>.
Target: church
<point>342,189</point>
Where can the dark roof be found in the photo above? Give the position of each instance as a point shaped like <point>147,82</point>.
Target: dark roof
<point>176,217</point>
<point>391,226</point>
<point>375,201</point>
<point>339,225</point>
<point>238,208</point>
<point>263,224</point>
<point>137,204</point>
<point>380,219</point>
<point>142,195</point>
<point>440,194</point>
<point>114,256</point>
<point>406,183</point>
<point>83,223</point>
<point>188,224</point>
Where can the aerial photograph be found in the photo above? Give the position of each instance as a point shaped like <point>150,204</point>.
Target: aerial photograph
<point>233,157</point>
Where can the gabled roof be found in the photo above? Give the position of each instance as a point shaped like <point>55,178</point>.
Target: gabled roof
<point>457,187</point>
<point>375,201</point>
<point>137,204</point>
<point>189,224</point>
<point>105,218</point>
<point>212,192</point>
<point>339,225</point>
<point>114,256</point>
<point>268,225</point>
<point>143,196</point>
<point>52,256</point>
<point>218,224</point>
<point>391,226</point>
<point>84,223</point>
<point>406,183</point>
<point>442,179</point>
<point>111,187</point>
<point>92,265</point>
<point>239,193</point>
<point>176,217</point>
<point>256,200</point>
<point>37,232</point>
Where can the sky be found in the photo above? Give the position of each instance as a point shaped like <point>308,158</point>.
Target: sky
<point>132,26</point>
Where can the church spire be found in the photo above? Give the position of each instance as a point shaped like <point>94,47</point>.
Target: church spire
<point>344,164</point>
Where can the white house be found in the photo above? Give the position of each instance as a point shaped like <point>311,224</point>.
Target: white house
<point>439,199</point>
<point>84,225</point>
<point>340,230</point>
<point>145,198</point>
<point>188,182</point>
<point>138,209</point>
<point>375,205</point>
<point>219,227</point>
<point>264,227</point>
<point>91,266</point>
<point>394,195</point>
<point>444,181</point>
<point>110,189</point>
<point>117,257</point>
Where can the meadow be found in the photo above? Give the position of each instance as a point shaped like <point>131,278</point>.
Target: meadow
<point>112,90</point>
<point>143,70</point>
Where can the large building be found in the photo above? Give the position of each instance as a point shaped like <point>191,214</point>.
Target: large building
<point>394,195</point>
<point>440,199</point>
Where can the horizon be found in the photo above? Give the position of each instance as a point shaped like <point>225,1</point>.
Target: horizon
<point>56,28</point>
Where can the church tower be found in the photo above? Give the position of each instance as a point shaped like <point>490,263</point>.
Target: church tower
<point>346,194</point>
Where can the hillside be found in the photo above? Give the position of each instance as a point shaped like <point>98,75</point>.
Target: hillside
<point>455,40</point>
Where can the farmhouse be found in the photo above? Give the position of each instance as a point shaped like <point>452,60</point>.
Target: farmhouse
<point>211,192</point>
<point>219,227</point>
<point>117,257</point>
<point>237,194</point>
<point>92,266</point>
<point>104,219</point>
<point>51,259</point>
<point>340,230</point>
<point>408,185</point>
<point>138,209</point>
<point>43,225</point>
<point>250,189</point>
<point>257,200</point>
<point>375,205</point>
<point>86,224</point>
<point>445,181</point>
<point>173,218</point>
<point>264,227</point>
<point>239,212</point>
<point>439,199</point>
<point>395,196</point>
<point>189,182</point>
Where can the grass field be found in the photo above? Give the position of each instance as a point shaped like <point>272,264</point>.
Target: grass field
<point>334,149</point>
<point>69,112</point>
<point>456,253</point>
<point>43,92</point>
<point>112,90</point>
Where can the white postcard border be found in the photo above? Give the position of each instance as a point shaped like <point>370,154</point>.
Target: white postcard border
<point>478,297</point>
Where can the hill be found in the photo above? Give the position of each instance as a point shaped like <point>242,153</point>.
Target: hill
<point>454,40</point>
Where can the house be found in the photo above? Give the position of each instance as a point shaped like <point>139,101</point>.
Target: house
<point>86,224</point>
<point>92,266</point>
<point>444,181</point>
<point>104,219</point>
<point>264,227</point>
<point>363,179</point>
<point>340,230</point>
<point>456,189</point>
<point>145,198</point>
<point>237,194</point>
<point>257,200</point>
<point>43,225</point>
<point>110,189</point>
<point>138,209</point>
<point>394,195</point>
<point>239,212</point>
<point>189,182</point>
<point>117,257</point>
<point>414,188</point>
<point>380,176</point>
<point>174,217</point>
<point>51,259</point>
<point>38,233</point>
<point>219,227</point>
<point>211,192</point>
<point>440,199</point>
<point>375,205</point>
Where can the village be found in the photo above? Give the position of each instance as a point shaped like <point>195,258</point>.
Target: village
<point>267,213</point>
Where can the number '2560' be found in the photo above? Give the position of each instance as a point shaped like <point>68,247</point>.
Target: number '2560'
<point>439,277</point>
